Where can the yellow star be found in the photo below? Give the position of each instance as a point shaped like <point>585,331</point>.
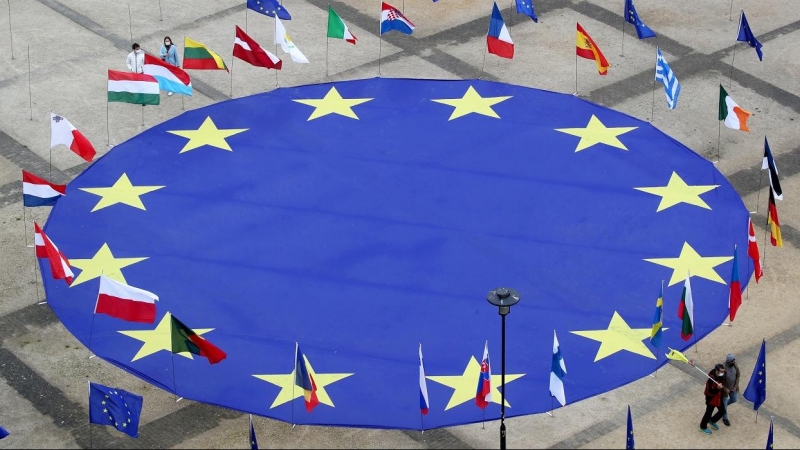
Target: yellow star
<point>689,261</point>
<point>121,192</point>
<point>207,134</point>
<point>597,133</point>
<point>619,336</point>
<point>333,103</point>
<point>677,191</point>
<point>472,102</point>
<point>102,263</point>
<point>464,385</point>
<point>158,339</point>
<point>290,392</point>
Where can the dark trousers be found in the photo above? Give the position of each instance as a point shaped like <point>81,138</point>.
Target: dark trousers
<point>707,417</point>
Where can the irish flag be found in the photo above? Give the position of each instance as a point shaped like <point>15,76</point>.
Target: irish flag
<point>734,116</point>
<point>138,88</point>
<point>686,311</point>
<point>337,29</point>
<point>125,302</point>
<point>198,56</point>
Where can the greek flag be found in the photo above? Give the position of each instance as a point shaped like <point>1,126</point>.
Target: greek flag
<point>672,88</point>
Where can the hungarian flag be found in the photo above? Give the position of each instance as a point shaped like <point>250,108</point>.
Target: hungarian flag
<point>138,88</point>
<point>586,48</point>
<point>197,56</point>
<point>498,40</point>
<point>304,380</point>
<point>483,394</point>
<point>337,29</point>
<point>45,248</point>
<point>735,297</point>
<point>768,163</point>
<point>40,192</point>
<point>734,116</point>
<point>184,339</point>
<point>686,311</point>
<point>773,222</point>
<point>63,133</point>
<point>246,49</point>
<point>125,302</point>
<point>752,250</point>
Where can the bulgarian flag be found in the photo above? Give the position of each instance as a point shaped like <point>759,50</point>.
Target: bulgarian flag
<point>184,339</point>
<point>337,29</point>
<point>686,311</point>
<point>198,56</point>
<point>138,88</point>
<point>734,116</point>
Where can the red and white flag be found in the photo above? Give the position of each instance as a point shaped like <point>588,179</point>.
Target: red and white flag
<point>62,132</point>
<point>246,49</point>
<point>45,248</point>
<point>125,302</point>
<point>752,250</point>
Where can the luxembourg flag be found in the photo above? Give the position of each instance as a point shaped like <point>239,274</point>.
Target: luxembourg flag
<point>40,192</point>
<point>483,395</point>
<point>125,302</point>
<point>45,248</point>
<point>393,19</point>
<point>170,78</point>
<point>424,404</point>
<point>498,40</point>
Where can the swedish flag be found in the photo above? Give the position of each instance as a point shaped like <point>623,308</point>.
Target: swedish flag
<point>658,320</point>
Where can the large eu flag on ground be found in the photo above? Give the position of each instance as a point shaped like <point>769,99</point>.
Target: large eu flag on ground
<point>115,407</point>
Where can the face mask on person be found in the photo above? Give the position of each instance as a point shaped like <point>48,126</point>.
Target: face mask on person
<point>138,51</point>
<point>167,43</point>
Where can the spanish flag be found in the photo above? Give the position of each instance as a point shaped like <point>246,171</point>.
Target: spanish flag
<point>774,223</point>
<point>586,48</point>
<point>198,56</point>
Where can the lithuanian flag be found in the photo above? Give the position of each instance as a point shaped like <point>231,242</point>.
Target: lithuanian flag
<point>586,48</point>
<point>184,339</point>
<point>198,56</point>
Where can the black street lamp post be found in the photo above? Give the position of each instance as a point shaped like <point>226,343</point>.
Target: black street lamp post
<point>504,299</point>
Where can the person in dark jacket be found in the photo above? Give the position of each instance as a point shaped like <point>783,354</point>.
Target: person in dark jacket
<point>714,391</point>
<point>732,383</point>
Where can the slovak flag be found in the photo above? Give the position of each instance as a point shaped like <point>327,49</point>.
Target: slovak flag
<point>424,404</point>
<point>393,19</point>
<point>498,40</point>
<point>40,192</point>
<point>45,248</point>
<point>62,132</point>
<point>483,395</point>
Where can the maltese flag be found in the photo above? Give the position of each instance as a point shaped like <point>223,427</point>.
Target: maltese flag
<point>62,132</point>
<point>498,40</point>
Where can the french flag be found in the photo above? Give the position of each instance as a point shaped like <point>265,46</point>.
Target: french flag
<point>483,395</point>
<point>40,192</point>
<point>62,132</point>
<point>170,78</point>
<point>45,248</point>
<point>393,19</point>
<point>424,404</point>
<point>125,302</point>
<point>498,40</point>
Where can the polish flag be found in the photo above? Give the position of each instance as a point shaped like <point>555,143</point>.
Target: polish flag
<point>125,302</point>
<point>45,248</point>
<point>62,132</point>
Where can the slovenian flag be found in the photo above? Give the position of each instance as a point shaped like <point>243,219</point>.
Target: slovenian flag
<point>393,19</point>
<point>498,40</point>
<point>125,302</point>
<point>483,395</point>
<point>40,192</point>
<point>45,248</point>
<point>424,404</point>
<point>170,78</point>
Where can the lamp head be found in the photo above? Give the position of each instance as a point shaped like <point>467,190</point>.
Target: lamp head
<point>503,298</point>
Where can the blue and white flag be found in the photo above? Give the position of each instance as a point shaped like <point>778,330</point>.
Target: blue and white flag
<point>424,403</point>
<point>253,439</point>
<point>746,35</point>
<point>672,88</point>
<point>557,372</point>
<point>526,7</point>
<point>632,17</point>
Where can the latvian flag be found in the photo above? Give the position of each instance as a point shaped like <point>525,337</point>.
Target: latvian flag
<point>139,88</point>
<point>497,39</point>
<point>40,192</point>
<point>45,248</point>
<point>246,49</point>
<point>170,78</point>
<point>62,132</point>
<point>125,302</point>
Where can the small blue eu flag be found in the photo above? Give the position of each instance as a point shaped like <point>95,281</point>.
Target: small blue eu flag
<point>632,17</point>
<point>269,8</point>
<point>253,440</point>
<point>3,433</point>
<point>526,7</point>
<point>746,35</point>
<point>769,437</point>
<point>756,390</point>
<point>115,407</point>
<point>629,442</point>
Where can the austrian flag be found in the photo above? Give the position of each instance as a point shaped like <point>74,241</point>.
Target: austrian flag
<point>498,40</point>
<point>45,248</point>
<point>63,133</point>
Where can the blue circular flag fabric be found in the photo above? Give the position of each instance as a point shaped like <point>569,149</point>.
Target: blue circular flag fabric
<point>314,241</point>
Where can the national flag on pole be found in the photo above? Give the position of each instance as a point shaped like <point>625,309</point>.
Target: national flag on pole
<point>337,29</point>
<point>557,372</point>
<point>752,249</point>
<point>253,439</point>
<point>269,8</point>
<point>756,390</point>
<point>768,163</point>
<point>197,56</point>
<point>746,35</point>
<point>658,320</point>
<point>734,116</point>
<point>424,404</point>
<point>774,224</point>
<point>686,311</point>
<point>246,49</point>
<point>526,7</point>
<point>125,302</point>
<point>769,436</point>
<point>62,132</point>
<point>282,38</point>
<point>676,356</point>
<point>586,48</point>
<point>735,297</point>
<point>483,394</point>
<point>138,88</point>
<point>304,380</point>
<point>664,74</point>
<point>393,19</point>
<point>632,17</point>
<point>115,407</point>
<point>498,41</point>
<point>40,192</point>
<point>629,444</point>
<point>170,78</point>
<point>184,339</point>
<point>45,248</point>
<point>3,433</point>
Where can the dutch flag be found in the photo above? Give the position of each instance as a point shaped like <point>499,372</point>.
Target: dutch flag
<point>498,40</point>
<point>40,192</point>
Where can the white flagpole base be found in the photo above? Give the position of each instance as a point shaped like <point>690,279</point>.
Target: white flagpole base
<point>178,399</point>
<point>92,356</point>
<point>29,245</point>
<point>42,302</point>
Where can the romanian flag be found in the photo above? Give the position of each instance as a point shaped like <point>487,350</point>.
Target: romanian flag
<point>304,380</point>
<point>198,56</point>
<point>735,297</point>
<point>184,339</point>
<point>586,48</point>
<point>773,222</point>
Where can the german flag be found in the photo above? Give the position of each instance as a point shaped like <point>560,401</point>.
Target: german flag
<point>773,222</point>
<point>198,56</point>
<point>586,48</point>
<point>184,339</point>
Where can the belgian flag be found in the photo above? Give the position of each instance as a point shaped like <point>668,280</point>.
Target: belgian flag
<point>773,222</point>
<point>184,339</point>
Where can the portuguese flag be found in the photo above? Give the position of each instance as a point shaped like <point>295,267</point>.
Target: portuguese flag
<point>198,56</point>
<point>184,339</point>
<point>337,29</point>
<point>686,311</point>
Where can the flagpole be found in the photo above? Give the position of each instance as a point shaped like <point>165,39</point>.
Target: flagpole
<point>576,72</point>
<point>35,279</point>
<point>174,381</point>
<point>327,44</point>
<point>730,80</point>
<point>245,19</point>
<point>623,36</point>
<point>730,322</point>
<point>655,374</point>
<point>719,137</point>
<point>758,197</point>
<point>653,105</point>
<point>30,95</point>
<point>142,115</point>
<point>483,66</point>
<point>232,59</point>
<point>24,225</point>
<point>160,12</point>
<point>296,347</point>
<point>249,439</point>
<point>108,132</point>
<point>766,230</point>
<point>10,31</point>
<point>380,44</point>
<point>130,24</point>
<point>730,12</point>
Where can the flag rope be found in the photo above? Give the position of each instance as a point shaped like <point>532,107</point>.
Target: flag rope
<point>730,79</point>
<point>30,95</point>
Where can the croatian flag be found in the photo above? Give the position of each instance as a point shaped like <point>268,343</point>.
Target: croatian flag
<point>498,40</point>
<point>125,302</point>
<point>392,19</point>
<point>40,192</point>
<point>45,248</point>
<point>170,78</point>
<point>424,404</point>
<point>483,395</point>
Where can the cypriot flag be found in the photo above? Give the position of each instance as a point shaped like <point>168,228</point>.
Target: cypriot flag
<point>286,43</point>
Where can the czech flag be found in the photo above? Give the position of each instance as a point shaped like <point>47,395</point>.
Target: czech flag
<point>170,78</point>
<point>735,297</point>
<point>424,404</point>
<point>498,40</point>
<point>304,380</point>
<point>483,395</point>
<point>393,19</point>
<point>40,192</point>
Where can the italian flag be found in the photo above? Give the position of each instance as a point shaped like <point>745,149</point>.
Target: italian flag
<point>734,116</point>
<point>184,339</point>
<point>686,311</point>
<point>138,88</point>
<point>337,29</point>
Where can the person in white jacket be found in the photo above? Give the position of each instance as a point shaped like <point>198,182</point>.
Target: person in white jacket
<point>135,59</point>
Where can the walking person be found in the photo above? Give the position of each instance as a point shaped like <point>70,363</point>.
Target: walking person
<point>135,59</point>
<point>713,392</point>
<point>169,54</point>
<point>732,384</point>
